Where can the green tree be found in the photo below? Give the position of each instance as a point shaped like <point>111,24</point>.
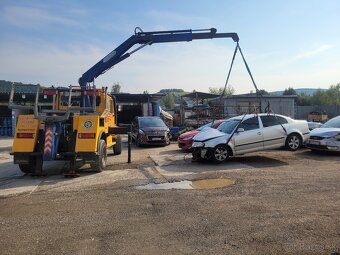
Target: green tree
<point>116,88</point>
<point>218,91</point>
<point>333,94</point>
<point>304,99</point>
<point>169,101</point>
<point>321,98</point>
<point>289,91</point>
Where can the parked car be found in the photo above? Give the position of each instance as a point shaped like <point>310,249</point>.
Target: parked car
<point>150,130</point>
<point>313,125</point>
<point>327,137</point>
<point>254,132</point>
<point>185,139</point>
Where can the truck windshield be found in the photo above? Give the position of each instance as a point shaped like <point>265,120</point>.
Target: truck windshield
<point>228,126</point>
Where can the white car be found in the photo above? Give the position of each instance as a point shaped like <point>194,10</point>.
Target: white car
<point>255,132</point>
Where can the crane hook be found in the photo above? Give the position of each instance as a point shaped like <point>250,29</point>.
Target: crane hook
<point>139,30</point>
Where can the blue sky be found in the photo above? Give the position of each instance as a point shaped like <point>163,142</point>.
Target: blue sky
<point>286,43</point>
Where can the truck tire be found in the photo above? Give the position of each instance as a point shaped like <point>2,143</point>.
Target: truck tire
<point>117,148</point>
<point>101,158</point>
<point>27,168</point>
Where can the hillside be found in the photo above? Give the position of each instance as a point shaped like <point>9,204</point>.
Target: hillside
<point>306,91</point>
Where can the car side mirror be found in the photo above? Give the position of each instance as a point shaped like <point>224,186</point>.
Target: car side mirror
<point>239,130</point>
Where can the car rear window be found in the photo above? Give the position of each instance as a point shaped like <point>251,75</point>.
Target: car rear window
<point>271,120</point>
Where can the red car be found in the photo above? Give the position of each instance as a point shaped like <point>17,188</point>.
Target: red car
<point>185,139</point>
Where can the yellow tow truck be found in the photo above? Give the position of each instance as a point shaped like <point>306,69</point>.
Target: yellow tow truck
<point>69,131</point>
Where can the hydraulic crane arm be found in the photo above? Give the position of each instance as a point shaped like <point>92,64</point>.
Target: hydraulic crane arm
<point>148,38</point>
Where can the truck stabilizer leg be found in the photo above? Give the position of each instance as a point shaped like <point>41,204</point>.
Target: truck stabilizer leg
<point>72,171</point>
<point>38,167</point>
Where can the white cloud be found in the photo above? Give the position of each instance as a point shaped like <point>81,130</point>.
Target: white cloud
<point>196,65</point>
<point>32,17</point>
<point>166,19</point>
<point>47,64</point>
<point>313,52</point>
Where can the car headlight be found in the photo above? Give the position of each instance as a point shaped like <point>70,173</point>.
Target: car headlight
<point>335,137</point>
<point>141,132</point>
<point>197,144</point>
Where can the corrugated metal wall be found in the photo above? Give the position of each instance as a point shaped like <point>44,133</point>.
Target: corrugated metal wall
<point>236,106</point>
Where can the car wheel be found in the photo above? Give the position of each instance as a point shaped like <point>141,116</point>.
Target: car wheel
<point>220,153</point>
<point>293,142</point>
<point>137,141</point>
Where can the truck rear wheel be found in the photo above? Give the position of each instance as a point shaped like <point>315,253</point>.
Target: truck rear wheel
<point>117,148</point>
<point>27,168</point>
<point>101,158</point>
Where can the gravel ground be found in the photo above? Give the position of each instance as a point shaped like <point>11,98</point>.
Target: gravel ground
<point>281,203</point>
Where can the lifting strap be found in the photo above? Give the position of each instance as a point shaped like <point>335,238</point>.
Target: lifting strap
<point>229,72</point>
<point>247,67</point>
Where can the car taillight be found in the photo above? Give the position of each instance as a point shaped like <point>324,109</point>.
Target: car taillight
<point>25,135</point>
<point>86,135</point>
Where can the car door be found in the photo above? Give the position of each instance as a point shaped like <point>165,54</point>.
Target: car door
<point>274,136</point>
<point>251,138</point>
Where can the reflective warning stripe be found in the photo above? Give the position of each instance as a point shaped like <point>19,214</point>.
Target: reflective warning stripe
<point>48,141</point>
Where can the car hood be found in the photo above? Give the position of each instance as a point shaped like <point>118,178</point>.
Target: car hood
<point>208,134</point>
<point>325,132</point>
<point>191,133</point>
<point>154,129</point>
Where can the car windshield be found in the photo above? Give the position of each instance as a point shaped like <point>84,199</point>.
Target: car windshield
<point>332,123</point>
<point>228,126</point>
<point>151,122</point>
<point>205,126</point>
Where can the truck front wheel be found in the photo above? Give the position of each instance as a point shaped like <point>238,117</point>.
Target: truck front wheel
<point>101,157</point>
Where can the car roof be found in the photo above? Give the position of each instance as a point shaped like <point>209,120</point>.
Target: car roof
<point>247,116</point>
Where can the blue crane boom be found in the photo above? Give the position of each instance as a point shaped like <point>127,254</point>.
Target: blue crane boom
<point>148,38</point>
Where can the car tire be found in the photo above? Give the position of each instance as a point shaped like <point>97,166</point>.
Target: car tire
<point>137,142</point>
<point>293,142</point>
<point>220,153</point>
<point>101,157</point>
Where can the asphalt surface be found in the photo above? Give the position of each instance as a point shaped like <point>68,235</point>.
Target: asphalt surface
<point>281,203</point>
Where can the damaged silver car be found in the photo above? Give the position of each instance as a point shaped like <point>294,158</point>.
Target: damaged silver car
<point>325,138</point>
<point>249,133</point>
